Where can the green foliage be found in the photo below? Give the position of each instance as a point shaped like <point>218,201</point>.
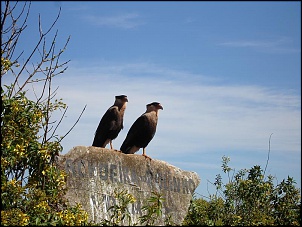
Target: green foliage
<point>119,211</point>
<point>202,212</point>
<point>32,187</point>
<point>153,209</point>
<point>249,198</point>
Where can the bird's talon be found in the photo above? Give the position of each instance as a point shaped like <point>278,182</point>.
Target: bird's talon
<point>146,156</point>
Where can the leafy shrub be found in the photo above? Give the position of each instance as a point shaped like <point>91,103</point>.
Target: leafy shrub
<point>32,187</point>
<point>249,198</point>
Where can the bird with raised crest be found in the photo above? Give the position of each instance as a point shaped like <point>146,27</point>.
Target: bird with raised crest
<point>111,123</point>
<point>142,130</point>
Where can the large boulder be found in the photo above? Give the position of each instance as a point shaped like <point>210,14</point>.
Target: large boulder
<point>95,173</point>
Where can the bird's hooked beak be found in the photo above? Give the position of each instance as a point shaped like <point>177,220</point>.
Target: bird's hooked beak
<point>160,107</point>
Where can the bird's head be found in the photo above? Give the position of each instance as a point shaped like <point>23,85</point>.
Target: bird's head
<point>122,98</point>
<point>121,102</point>
<point>154,106</point>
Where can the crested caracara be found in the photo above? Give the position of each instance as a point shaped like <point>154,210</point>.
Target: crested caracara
<point>111,123</point>
<point>142,131</point>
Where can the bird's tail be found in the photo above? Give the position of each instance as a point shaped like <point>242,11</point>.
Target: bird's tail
<point>123,149</point>
<point>129,149</point>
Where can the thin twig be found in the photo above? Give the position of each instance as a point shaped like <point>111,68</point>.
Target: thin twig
<point>47,117</point>
<point>73,124</point>
<point>269,150</point>
<point>54,131</point>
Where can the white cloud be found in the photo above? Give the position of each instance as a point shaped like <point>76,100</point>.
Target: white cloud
<point>189,20</point>
<point>199,116</point>
<point>195,115</point>
<point>282,45</point>
<point>124,21</point>
<point>249,44</point>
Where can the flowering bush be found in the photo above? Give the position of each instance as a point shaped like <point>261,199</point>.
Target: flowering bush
<point>32,187</point>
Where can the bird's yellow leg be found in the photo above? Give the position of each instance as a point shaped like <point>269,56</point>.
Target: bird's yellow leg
<point>111,146</point>
<point>144,154</point>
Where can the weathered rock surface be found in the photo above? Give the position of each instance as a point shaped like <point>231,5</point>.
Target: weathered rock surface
<point>94,173</point>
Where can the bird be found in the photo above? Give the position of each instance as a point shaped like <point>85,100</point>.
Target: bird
<point>111,123</point>
<point>142,130</point>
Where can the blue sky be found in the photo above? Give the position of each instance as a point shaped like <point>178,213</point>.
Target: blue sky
<point>228,75</point>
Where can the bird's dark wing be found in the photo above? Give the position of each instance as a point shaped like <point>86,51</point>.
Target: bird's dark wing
<point>107,125</point>
<point>139,135</point>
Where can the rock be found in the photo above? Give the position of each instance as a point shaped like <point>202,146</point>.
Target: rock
<point>95,173</point>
